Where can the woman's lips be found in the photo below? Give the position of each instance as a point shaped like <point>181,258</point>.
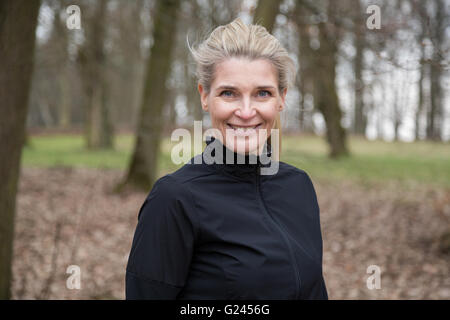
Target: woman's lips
<point>235,127</point>
<point>244,131</point>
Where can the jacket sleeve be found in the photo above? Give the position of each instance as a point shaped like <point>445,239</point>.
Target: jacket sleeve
<point>163,243</point>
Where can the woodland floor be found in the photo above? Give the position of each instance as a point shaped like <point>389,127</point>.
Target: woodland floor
<point>70,217</point>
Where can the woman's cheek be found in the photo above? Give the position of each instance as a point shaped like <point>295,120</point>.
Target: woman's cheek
<point>269,114</point>
<point>221,112</point>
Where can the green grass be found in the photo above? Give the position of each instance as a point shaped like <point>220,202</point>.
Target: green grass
<point>69,151</point>
<point>370,161</point>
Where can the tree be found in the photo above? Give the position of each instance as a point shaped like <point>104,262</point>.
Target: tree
<point>92,61</point>
<point>421,13</point>
<point>266,13</point>
<point>360,118</point>
<point>128,28</point>
<point>143,165</point>
<point>306,69</point>
<point>60,40</point>
<point>325,92</point>
<point>325,96</point>
<point>18,21</point>
<point>435,123</point>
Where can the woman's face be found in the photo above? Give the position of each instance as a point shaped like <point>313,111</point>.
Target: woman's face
<point>243,102</point>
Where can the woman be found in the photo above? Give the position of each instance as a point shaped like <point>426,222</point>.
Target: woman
<point>220,229</point>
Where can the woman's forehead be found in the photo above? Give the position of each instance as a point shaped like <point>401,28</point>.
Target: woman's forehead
<point>242,72</point>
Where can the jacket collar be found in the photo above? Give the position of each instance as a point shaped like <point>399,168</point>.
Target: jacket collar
<point>248,165</point>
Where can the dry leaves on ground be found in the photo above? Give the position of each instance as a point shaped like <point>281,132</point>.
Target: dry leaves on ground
<point>70,217</point>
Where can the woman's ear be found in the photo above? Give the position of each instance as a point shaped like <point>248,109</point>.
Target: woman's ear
<point>203,97</point>
<point>283,98</point>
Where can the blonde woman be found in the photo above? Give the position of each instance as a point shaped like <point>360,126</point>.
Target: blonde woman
<point>221,229</point>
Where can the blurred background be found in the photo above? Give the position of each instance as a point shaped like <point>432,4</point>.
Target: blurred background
<point>90,92</point>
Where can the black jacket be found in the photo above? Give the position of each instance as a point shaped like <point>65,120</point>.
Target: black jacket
<point>223,231</point>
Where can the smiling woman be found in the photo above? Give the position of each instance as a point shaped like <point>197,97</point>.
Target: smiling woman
<point>221,230</point>
<point>242,100</point>
<point>244,74</point>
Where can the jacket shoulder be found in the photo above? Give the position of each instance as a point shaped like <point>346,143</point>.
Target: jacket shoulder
<point>172,187</point>
<point>191,170</point>
<point>169,197</point>
<point>289,172</point>
<point>287,168</point>
<point>165,190</point>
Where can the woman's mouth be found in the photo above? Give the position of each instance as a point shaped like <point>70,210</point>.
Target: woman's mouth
<point>236,127</point>
<point>244,130</point>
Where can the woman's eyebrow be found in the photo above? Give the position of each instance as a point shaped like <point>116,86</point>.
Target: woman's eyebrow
<point>228,87</point>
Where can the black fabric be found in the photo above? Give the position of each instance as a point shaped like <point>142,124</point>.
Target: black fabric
<point>225,231</point>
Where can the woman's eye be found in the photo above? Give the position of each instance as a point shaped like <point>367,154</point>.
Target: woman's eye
<point>226,93</point>
<point>265,95</point>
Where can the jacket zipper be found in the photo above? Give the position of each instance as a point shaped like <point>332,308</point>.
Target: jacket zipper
<point>282,231</point>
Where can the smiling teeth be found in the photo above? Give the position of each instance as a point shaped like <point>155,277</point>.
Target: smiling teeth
<point>243,128</point>
<point>244,131</point>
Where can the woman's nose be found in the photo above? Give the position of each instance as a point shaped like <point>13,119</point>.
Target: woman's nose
<point>246,111</point>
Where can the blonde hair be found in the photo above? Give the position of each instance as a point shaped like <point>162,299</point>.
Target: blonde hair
<point>253,41</point>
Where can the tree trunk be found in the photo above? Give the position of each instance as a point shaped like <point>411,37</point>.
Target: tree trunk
<point>322,62</point>
<point>381,114</point>
<point>190,84</point>
<point>192,97</point>
<point>143,167</point>
<point>396,112</point>
<point>98,131</point>
<point>436,108</point>
<point>64,118</point>
<point>266,13</point>
<point>171,109</point>
<point>57,48</point>
<point>435,113</point>
<point>360,119</point>
<point>305,85</point>
<point>18,21</point>
<point>64,108</point>
<point>325,97</point>
<point>420,89</point>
